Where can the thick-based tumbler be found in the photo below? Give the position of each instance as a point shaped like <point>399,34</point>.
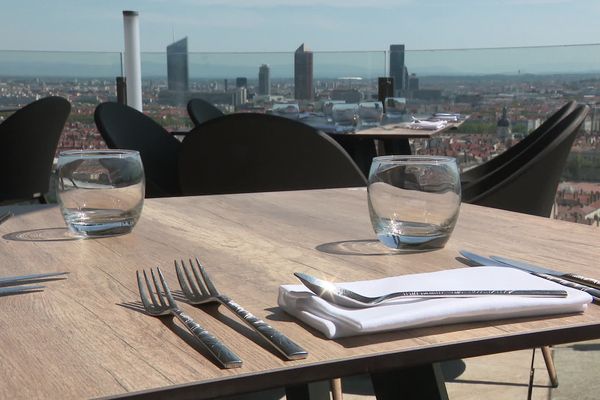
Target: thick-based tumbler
<point>100,192</point>
<point>414,201</point>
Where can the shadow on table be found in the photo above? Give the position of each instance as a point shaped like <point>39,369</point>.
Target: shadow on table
<point>360,247</point>
<point>42,235</point>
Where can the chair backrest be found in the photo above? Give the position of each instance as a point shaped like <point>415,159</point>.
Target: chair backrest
<point>241,153</point>
<point>472,175</point>
<point>531,186</point>
<point>29,138</point>
<point>201,111</point>
<point>123,127</point>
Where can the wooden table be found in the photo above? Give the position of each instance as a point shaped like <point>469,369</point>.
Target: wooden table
<point>392,138</point>
<point>85,336</point>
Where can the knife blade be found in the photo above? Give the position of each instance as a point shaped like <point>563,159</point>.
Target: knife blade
<point>595,293</point>
<point>33,278</point>
<point>7,291</point>
<point>584,280</point>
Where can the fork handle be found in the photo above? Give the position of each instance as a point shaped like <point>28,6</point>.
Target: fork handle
<point>286,346</point>
<point>226,357</point>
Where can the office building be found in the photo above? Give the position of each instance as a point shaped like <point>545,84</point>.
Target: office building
<point>264,80</point>
<point>303,73</point>
<point>177,66</point>
<point>397,69</point>
<point>241,82</point>
<point>413,82</point>
<point>240,96</point>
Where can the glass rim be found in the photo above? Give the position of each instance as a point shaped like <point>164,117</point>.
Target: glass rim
<point>92,153</point>
<point>415,159</point>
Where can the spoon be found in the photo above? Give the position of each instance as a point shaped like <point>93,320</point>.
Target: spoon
<point>346,297</point>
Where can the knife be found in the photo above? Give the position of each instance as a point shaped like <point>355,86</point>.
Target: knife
<point>583,280</point>
<point>595,293</point>
<point>33,278</point>
<point>19,290</point>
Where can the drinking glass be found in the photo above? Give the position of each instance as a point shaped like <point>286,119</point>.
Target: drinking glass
<point>395,107</point>
<point>345,114</point>
<point>414,201</point>
<point>100,192</point>
<point>370,113</point>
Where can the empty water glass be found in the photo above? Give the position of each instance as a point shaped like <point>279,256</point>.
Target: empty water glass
<point>395,108</point>
<point>100,192</point>
<point>370,113</point>
<point>345,114</point>
<point>414,201</point>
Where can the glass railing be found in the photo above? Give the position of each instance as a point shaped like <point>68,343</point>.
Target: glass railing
<point>529,82</point>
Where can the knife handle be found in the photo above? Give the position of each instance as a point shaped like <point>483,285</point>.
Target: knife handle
<point>595,293</point>
<point>584,280</point>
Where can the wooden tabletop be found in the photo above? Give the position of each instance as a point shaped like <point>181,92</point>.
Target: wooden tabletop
<point>85,336</point>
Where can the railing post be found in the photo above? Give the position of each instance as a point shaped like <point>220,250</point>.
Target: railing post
<point>133,72</point>
<point>121,90</point>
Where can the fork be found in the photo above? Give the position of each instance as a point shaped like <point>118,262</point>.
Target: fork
<point>166,305</point>
<point>199,289</point>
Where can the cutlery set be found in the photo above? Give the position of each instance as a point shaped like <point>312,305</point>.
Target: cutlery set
<point>198,289</point>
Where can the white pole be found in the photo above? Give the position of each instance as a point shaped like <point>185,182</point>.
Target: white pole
<point>133,68</point>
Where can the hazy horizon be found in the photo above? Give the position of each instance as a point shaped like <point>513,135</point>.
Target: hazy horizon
<point>271,25</point>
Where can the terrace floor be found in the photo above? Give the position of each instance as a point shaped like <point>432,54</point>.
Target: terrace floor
<point>496,377</point>
<point>506,376</point>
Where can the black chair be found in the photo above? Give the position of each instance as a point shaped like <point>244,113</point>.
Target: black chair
<point>241,153</point>
<point>476,173</point>
<point>527,183</point>
<point>123,127</point>
<point>201,111</point>
<point>29,140</point>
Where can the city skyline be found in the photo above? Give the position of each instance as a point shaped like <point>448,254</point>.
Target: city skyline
<point>342,25</point>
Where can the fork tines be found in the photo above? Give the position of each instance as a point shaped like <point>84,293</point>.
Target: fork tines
<point>197,285</point>
<point>156,288</point>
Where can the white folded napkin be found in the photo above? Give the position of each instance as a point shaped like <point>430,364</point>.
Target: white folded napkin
<point>336,321</point>
<point>427,125</point>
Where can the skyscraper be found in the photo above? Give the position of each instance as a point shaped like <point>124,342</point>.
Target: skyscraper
<point>303,73</point>
<point>177,66</point>
<point>397,69</point>
<point>241,81</point>
<point>264,79</point>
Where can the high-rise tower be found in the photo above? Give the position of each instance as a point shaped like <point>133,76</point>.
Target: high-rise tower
<point>303,73</point>
<point>177,66</point>
<point>241,81</point>
<point>397,69</point>
<point>264,79</point>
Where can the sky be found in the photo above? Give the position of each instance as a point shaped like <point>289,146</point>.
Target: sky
<point>281,26</point>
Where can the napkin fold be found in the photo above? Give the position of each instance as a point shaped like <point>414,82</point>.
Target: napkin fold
<point>337,321</point>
